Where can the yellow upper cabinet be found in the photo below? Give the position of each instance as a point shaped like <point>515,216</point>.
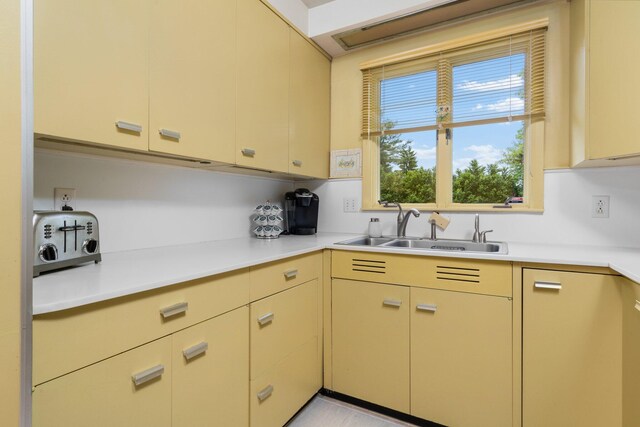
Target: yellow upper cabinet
<point>192,79</point>
<point>262,126</point>
<point>309,109</point>
<point>91,71</point>
<point>605,37</point>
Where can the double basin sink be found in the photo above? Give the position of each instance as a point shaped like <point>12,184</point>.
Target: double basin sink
<point>445,245</point>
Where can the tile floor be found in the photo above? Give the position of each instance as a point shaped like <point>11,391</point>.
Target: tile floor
<point>323,411</point>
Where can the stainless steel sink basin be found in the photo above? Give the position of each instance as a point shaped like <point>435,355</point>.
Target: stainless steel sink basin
<point>449,245</point>
<point>366,241</point>
<point>429,245</point>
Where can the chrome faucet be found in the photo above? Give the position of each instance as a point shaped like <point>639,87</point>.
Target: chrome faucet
<point>402,224</point>
<point>433,229</point>
<point>479,236</point>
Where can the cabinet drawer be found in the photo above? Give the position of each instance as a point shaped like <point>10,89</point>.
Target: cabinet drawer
<point>105,394</point>
<point>71,339</point>
<point>211,372</point>
<point>278,394</point>
<point>474,276</point>
<point>277,276</point>
<point>281,323</point>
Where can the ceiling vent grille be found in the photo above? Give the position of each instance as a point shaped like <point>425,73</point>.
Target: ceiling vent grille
<point>421,20</point>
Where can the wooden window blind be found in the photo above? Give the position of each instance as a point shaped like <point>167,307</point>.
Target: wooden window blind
<point>449,88</point>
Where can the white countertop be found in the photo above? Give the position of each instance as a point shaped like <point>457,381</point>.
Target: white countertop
<point>129,272</point>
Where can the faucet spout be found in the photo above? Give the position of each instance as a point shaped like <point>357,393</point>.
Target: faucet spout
<point>402,222</point>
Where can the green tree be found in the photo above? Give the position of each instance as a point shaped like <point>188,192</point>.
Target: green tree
<point>482,184</point>
<point>407,160</point>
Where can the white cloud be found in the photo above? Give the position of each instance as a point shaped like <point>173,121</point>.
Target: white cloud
<point>509,104</point>
<point>484,154</point>
<point>514,81</point>
<point>425,153</point>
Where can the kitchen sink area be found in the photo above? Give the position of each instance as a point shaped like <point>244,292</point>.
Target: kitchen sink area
<point>442,245</point>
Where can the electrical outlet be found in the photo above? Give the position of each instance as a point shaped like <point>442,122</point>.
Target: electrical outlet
<point>350,204</point>
<point>64,197</point>
<point>600,207</point>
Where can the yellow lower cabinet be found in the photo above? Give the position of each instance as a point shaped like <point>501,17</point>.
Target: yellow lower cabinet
<point>631,354</point>
<point>211,372</point>
<point>282,390</point>
<point>572,345</point>
<point>461,350</point>
<point>370,330</point>
<point>132,389</point>
<point>281,323</point>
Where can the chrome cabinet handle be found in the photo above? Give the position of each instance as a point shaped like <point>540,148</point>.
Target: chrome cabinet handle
<point>249,152</point>
<point>195,350</point>
<point>265,318</point>
<point>265,392</point>
<point>427,307</point>
<point>547,285</point>
<point>297,163</point>
<point>147,375</point>
<point>129,126</point>
<point>392,303</point>
<point>637,305</point>
<point>170,134</point>
<point>290,274</point>
<point>174,309</point>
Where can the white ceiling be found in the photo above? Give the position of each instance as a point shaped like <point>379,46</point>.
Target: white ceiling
<point>313,3</point>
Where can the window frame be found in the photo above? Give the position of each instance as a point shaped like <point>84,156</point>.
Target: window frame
<point>534,142</point>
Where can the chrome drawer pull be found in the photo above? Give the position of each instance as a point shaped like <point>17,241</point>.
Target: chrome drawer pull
<point>146,376</point>
<point>547,285</point>
<point>637,305</point>
<point>170,134</point>
<point>265,318</point>
<point>196,350</point>
<point>249,152</point>
<point>129,126</point>
<point>265,392</point>
<point>297,163</point>
<point>427,307</point>
<point>392,303</point>
<point>174,309</point>
<point>290,274</point>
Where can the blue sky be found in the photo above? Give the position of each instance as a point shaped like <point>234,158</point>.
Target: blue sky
<point>484,89</point>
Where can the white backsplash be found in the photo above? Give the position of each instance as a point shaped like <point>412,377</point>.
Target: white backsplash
<point>142,205</point>
<point>566,219</point>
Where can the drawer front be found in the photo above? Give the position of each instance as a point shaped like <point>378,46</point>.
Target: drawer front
<point>475,276</point>
<point>281,324</point>
<point>211,372</point>
<point>278,394</point>
<point>71,339</point>
<point>105,394</point>
<point>280,275</point>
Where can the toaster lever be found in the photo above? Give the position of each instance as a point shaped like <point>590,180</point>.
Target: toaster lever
<point>72,228</point>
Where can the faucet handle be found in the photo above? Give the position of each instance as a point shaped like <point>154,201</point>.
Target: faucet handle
<point>483,235</point>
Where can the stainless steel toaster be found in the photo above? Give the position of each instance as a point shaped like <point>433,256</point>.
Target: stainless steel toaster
<point>64,239</point>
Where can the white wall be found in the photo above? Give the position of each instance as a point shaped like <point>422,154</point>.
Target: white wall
<point>141,205</point>
<point>566,219</point>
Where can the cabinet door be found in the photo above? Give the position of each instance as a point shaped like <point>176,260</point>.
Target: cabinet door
<point>193,78</point>
<point>614,39</point>
<point>631,353</point>
<point>91,71</point>
<point>370,332</point>
<point>262,129</point>
<point>105,394</point>
<point>572,343</point>
<point>309,109</point>
<point>211,372</point>
<point>461,348</point>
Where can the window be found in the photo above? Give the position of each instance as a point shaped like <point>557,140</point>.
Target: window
<point>459,127</point>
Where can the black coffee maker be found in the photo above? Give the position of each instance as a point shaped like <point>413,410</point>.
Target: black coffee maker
<point>300,212</point>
